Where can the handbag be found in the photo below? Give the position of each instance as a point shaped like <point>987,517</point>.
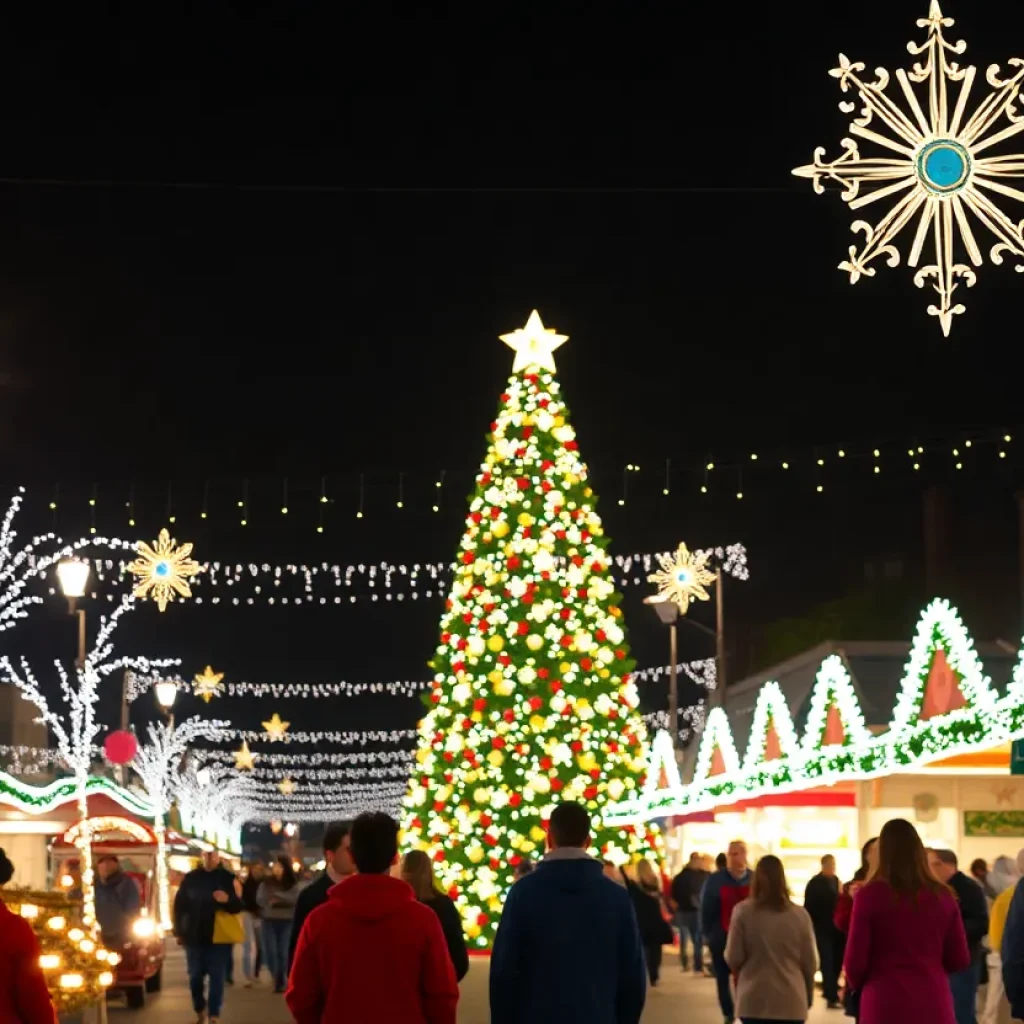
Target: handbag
<point>227,929</point>
<point>851,1004</point>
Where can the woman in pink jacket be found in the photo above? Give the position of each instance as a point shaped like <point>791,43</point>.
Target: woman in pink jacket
<point>905,936</point>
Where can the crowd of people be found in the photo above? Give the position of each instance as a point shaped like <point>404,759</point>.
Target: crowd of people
<point>910,937</point>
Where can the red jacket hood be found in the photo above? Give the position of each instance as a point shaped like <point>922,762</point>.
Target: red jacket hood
<point>371,897</point>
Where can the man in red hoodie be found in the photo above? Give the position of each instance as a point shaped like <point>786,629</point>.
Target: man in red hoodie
<point>373,954</point>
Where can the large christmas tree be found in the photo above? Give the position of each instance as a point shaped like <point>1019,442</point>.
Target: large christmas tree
<point>532,701</point>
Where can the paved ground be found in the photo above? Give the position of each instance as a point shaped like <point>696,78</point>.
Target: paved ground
<point>678,998</point>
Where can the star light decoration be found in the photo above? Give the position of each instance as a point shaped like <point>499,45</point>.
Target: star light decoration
<point>938,166</point>
<point>208,684</point>
<point>275,728</point>
<point>164,570</point>
<point>683,577</point>
<point>534,345</point>
<point>287,787</point>
<point>245,759</point>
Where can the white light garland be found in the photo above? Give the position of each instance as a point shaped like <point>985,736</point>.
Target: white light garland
<point>348,738</point>
<point>76,730</point>
<point>718,736</point>
<point>323,584</point>
<point>156,763</point>
<point>771,710</point>
<point>834,688</point>
<point>318,758</point>
<point>389,771</point>
<point>942,619</point>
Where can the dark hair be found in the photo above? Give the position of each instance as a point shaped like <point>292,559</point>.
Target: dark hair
<point>903,863</point>
<point>374,839</point>
<point>523,868</point>
<point>570,825</point>
<point>109,856</point>
<point>978,866</point>
<point>861,874</point>
<point>769,888</point>
<point>721,861</point>
<point>6,868</point>
<point>946,856</point>
<point>288,879</point>
<point>334,834</point>
<point>418,871</point>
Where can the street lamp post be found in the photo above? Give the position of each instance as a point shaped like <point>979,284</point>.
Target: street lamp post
<point>73,576</point>
<point>166,693</point>
<point>668,613</point>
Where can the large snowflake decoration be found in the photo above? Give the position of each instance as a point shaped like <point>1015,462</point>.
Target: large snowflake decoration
<point>934,165</point>
<point>683,577</point>
<point>163,571</point>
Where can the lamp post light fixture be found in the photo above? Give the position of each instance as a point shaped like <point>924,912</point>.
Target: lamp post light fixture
<point>73,576</point>
<point>668,613</point>
<point>166,694</point>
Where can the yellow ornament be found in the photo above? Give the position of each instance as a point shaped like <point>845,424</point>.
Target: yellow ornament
<point>538,723</point>
<point>495,643</point>
<point>477,716</point>
<point>473,930</point>
<point>505,688</point>
<point>496,758</point>
<point>525,519</point>
<point>564,667</point>
<point>537,834</point>
<point>500,529</point>
<point>475,854</point>
<point>495,676</point>
<point>535,641</point>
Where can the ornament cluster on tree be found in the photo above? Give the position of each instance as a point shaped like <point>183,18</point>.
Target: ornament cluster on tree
<point>532,700</point>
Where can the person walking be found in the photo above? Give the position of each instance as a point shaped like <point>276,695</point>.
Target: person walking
<point>568,946</point>
<point>24,997</point>
<point>974,912</point>
<point>906,936</point>
<point>276,898</point>
<point>204,893</point>
<point>820,899</point>
<point>372,952</point>
<point>1003,878</point>
<point>655,931</point>
<point>724,890</point>
<point>118,902</point>
<point>337,867</point>
<point>980,873</point>
<point>251,948</point>
<point>686,890</point>
<point>770,950</point>
<point>418,871</point>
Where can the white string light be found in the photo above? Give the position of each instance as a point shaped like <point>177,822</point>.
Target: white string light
<point>389,771</point>
<point>348,738</point>
<point>323,584</point>
<point>318,758</point>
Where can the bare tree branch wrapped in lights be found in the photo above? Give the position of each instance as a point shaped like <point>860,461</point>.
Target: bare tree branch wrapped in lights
<point>76,729</point>
<point>157,764</point>
<point>19,567</point>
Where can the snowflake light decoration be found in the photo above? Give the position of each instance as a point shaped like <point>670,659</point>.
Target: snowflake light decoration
<point>934,167</point>
<point>683,577</point>
<point>208,684</point>
<point>164,570</point>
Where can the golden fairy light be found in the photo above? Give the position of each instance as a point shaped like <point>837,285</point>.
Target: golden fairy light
<point>245,759</point>
<point>208,684</point>
<point>275,728</point>
<point>933,167</point>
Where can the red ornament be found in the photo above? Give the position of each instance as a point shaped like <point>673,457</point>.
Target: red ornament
<point>515,799</point>
<point>482,919</point>
<point>120,747</point>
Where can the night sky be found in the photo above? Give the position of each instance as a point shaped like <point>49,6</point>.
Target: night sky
<point>264,254</point>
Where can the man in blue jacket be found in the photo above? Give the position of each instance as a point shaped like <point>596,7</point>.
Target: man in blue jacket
<point>723,890</point>
<point>568,947</point>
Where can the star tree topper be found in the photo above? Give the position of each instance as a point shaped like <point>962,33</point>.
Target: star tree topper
<point>683,577</point>
<point>534,345</point>
<point>275,728</point>
<point>208,684</point>
<point>163,571</point>
<point>934,168</point>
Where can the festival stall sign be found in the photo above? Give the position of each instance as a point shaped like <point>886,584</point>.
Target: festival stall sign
<point>946,707</point>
